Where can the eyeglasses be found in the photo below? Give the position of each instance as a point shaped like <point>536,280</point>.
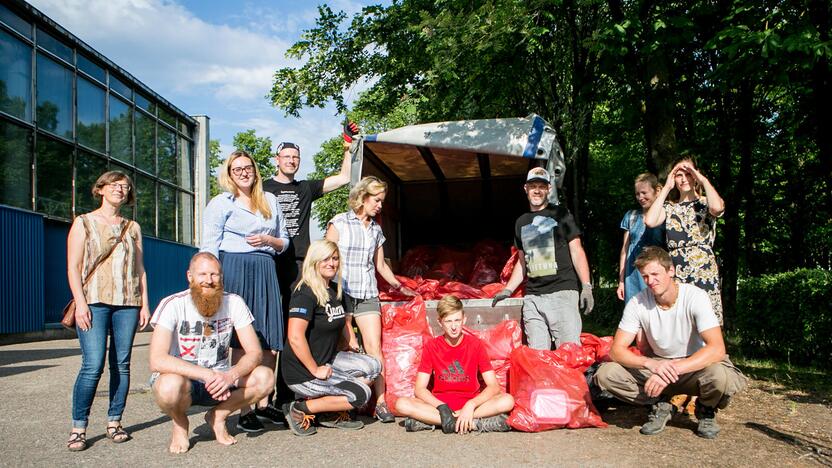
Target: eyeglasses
<point>123,187</point>
<point>239,170</point>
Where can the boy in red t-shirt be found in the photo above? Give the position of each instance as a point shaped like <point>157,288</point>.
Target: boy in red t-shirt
<point>456,402</point>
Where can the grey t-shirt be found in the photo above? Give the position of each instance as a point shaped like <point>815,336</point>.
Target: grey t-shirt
<point>672,333</point>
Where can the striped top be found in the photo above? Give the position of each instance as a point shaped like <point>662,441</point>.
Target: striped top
<point>117,281</point>
<point>358,244</point>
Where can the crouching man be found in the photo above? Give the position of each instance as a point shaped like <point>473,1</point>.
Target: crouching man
<point>685,355</point>
<point>189,354</point>
<point>456,402</point>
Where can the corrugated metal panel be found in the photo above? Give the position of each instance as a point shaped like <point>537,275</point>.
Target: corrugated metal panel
<point>54,269</point>
<point>166,263</point>
<point>21,271</point>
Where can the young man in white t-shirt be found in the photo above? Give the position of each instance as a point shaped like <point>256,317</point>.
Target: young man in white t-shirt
<point>189,354</point>
<point>686,352</point>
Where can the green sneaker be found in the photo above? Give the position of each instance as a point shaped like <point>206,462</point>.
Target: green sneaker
<point>492,424</point>
<point>660,414</point>
<point>707,427</point>
<point>340,420</point>
<point>414,425</point>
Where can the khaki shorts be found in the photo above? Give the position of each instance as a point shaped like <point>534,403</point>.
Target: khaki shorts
<point>359,307</point>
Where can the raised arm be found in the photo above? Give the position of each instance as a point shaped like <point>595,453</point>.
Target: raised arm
<point>342,178</point>
<point>655,216</point>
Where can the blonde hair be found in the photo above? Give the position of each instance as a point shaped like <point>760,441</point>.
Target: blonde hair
<point>366,187</point>
<point>258,198</point>
<point>449,304</point>
<point>649,178</point>
<point>319,251</point>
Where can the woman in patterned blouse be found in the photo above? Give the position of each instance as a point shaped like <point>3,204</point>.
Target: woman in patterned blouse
<point>690,226</point>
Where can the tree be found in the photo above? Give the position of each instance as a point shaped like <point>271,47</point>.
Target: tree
<point>328,162</point>
<point>214,162</point>
<point>260,149</point>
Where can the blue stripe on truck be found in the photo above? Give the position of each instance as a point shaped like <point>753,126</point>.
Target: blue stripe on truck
<point>534,137</point>
<point>373,137</point>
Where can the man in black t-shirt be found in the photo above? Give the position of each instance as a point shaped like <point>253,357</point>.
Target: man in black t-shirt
<point>553,260</point>
<point>295,198</point>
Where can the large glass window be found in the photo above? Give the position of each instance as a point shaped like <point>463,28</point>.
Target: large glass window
<point>186,218</point>
<point>48,42</point>
<point>145,103</point>
<point>54,111</point>
<point>88,168</point>
<point>120,87</point>
<point>15,77</point>
<point>167,154</point>
<point>186,164</point>
<point>167,117</point>
<point>15,22</point>
<point>54,178</point>
<point>167,212</point>
<point>146,204</point>
<point>121,130</point>
<point>90,68</point>
<point>15,166</point>
<point>91,128</point>
<point>145,142</point>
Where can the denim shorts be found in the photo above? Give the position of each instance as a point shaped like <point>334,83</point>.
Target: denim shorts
<point>200,396</point>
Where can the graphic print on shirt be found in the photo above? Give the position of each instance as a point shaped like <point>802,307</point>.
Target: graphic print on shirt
<point>454,373</point>
<point>289,204</point>
<point>205,343</point>
<point>333,313</point>
<point>539,247</point>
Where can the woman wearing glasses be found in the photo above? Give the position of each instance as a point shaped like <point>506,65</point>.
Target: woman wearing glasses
<point>244,227</point>
<point>110,301</point>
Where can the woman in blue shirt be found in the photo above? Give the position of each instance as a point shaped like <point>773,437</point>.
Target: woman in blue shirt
<point>244,227</point>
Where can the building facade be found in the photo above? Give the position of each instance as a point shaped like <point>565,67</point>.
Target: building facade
<point>68,114</point>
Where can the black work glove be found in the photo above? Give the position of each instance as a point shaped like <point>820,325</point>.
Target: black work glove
<point>503,294</point>
<point>350,130</point>
<point>448,418</point>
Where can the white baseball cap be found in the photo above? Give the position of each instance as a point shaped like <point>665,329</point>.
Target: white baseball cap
<point>538,174</point>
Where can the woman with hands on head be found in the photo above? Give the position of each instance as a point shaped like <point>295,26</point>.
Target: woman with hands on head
<point>360,240</point>
<point>689,217</point>
<point>244,227</point>
<point>111,303</point>
<point>324,378</point>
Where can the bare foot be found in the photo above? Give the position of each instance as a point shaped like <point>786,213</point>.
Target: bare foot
<point>179,442</point>
<point>218,426</point>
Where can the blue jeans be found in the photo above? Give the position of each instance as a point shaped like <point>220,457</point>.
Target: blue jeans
<point>119,323</point>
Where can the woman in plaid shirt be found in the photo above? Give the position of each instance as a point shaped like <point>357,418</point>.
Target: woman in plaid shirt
<point>360,240</point>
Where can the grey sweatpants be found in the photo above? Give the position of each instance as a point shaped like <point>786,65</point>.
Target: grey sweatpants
<point>552,316</point>
<point>714,385</point>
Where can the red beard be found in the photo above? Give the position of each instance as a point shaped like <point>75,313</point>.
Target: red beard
<point>207,300</point>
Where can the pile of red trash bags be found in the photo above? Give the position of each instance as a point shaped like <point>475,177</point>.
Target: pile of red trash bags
<point>549,387</point>
<point>479,273</point>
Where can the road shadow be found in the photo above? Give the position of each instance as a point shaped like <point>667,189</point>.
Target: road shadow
<point>620,414</point>
<point>820,450</point>
<point>27,355</point>
<point>9,371</point>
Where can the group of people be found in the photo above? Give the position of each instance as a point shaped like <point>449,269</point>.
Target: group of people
<point>265,307</point>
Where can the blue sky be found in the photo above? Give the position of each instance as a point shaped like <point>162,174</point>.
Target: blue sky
<point>208,57</point>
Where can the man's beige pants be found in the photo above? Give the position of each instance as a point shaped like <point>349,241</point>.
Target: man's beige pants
<point>714,385</point>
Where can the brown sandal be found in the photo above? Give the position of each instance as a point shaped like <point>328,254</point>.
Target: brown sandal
<point>77,441</point>
<point>117,434</point>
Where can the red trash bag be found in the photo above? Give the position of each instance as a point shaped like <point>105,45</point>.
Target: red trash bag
<point>509,266</point>
<point>460,290</point>
<point>499,341</point>
<point>548,395</point>
<point>573,356</point>
<point>405,331</point>
<point>598,347</point>
<point>483,273</point>
<point>417,261</point>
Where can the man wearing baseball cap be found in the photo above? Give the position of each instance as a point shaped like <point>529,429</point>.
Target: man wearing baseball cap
<point>553,260</point>
<point>295,198</point>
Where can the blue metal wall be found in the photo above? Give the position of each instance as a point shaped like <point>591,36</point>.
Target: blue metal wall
<point>21,278</point>
<point>33,285</point>
<point>166,263</point>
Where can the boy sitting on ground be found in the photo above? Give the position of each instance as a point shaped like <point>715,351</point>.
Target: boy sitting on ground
<point>456,403</point>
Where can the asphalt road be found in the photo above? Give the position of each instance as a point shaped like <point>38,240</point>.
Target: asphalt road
<point>36,389</point>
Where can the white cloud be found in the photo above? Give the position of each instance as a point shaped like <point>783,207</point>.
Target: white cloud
<point>167,47</point>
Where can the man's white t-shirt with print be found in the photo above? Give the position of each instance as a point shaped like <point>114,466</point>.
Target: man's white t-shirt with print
<point>672,333</point>
<point>197,339</point>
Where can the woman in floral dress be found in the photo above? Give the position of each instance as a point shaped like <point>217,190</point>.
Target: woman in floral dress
<point>690,227</point>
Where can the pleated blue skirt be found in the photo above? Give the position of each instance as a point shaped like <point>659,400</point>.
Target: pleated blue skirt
<point>253,277</point>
